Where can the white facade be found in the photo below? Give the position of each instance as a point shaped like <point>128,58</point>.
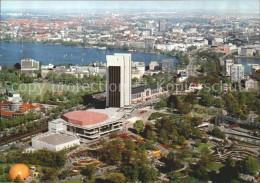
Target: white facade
<point>228,64</point>
<point>54,141</point>
<point>237,72</point>
<point>56,125</point>
<point>124,61</point>
<point>153,64</point>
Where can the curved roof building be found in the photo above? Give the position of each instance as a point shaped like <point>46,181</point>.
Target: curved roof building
<point>19,172</point>
<point>89,125</point>
<point>84,118</point>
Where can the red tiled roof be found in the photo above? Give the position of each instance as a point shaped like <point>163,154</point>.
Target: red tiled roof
<point>7,113</point>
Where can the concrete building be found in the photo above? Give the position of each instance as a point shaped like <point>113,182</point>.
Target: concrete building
<point>228,64</point>
<point>256,72</point>
<point>182,76</point>
<point>154,65</point>
<point>162,25</point>
<point>138,69</point>
<point>247,52</point>
<point>251,84</point>
<point>54,141</point>
<point>89,125</point>
<point>119,78</point>
<point>144,93</point>
<point>167,65</point>
<point>28,66</point>
<point>195,87</point>
<point>237,73</point>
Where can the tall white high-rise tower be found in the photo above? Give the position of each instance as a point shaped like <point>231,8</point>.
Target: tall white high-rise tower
<point>118,89</point>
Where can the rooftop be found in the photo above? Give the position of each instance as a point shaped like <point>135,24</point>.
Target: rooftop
<point>55,138</point>
<point>84,118</point>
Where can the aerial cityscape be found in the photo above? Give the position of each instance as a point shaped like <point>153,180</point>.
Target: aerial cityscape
<point>130,91</point>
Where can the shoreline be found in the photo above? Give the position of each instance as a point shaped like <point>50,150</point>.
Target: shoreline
<point>92,47</point>
<point>98,48</point>
<point>250,57</point>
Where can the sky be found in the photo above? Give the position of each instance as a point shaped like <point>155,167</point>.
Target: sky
<point>239,5</point>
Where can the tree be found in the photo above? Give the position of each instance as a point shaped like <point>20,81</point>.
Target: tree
<point>202,173</point>
<point>50,175</point>
<point>250,165</point>
<point>218,133</point>
<point>173,101</point>
<point>2,159</point>
<point>181,140</point>
<point>17,66</point>
<point>63,175</point>
<point>1,170</point>
<point>138,126</point>
<point>148,174</point>
<point>184,108</point>
<point>230,162</point>
<point>116,177</point>
<point>130,171</point>
<point>150,135</point>
<point>163,136</point>
<point>88,172</point>
<point>191,98</point>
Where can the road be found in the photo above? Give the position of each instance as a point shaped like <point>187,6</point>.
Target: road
<point>191,69</point>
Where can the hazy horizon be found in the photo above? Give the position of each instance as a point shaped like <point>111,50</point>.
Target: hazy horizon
<point>221,5</point>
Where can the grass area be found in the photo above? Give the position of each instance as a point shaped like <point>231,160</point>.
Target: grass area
<point>156,115</point>
<point>35,89</point>
<point>73,181</point>
<point>187,179</point>
<point>202,111</point>
<point>215,166</point>
<point>201,146</point>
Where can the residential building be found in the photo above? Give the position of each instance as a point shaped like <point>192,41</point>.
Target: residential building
<point>247,51</point>
<point>29,66</point>
<point>193,87</point>
<point>251,84</point>
<point>119,78</point>
<point>167,65</point>
<point>138,69</point>
<point>154,65</point>
<point>256,72</point>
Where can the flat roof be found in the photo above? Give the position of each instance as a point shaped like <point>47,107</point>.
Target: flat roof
<point>55,138</point>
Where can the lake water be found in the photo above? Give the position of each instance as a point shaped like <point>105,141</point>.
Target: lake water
<point>59,54</point>
<point>11,53</point>
<point>247,63</point>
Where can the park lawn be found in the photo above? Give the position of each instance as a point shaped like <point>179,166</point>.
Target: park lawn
<point>201,146</point>
<point>156,115</point>
<point>72,181</point>
<point>215,166</point>
<point>187,179</point>
<point>35,89</point>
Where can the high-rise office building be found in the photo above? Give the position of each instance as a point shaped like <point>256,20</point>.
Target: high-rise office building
<point>228,64</point>
<point>118,91</point>
<point>237,73</point>
<point>162,25</point>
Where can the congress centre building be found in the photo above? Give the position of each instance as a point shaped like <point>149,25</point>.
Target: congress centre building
<point>93,124</point>
<point>89,125</point>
